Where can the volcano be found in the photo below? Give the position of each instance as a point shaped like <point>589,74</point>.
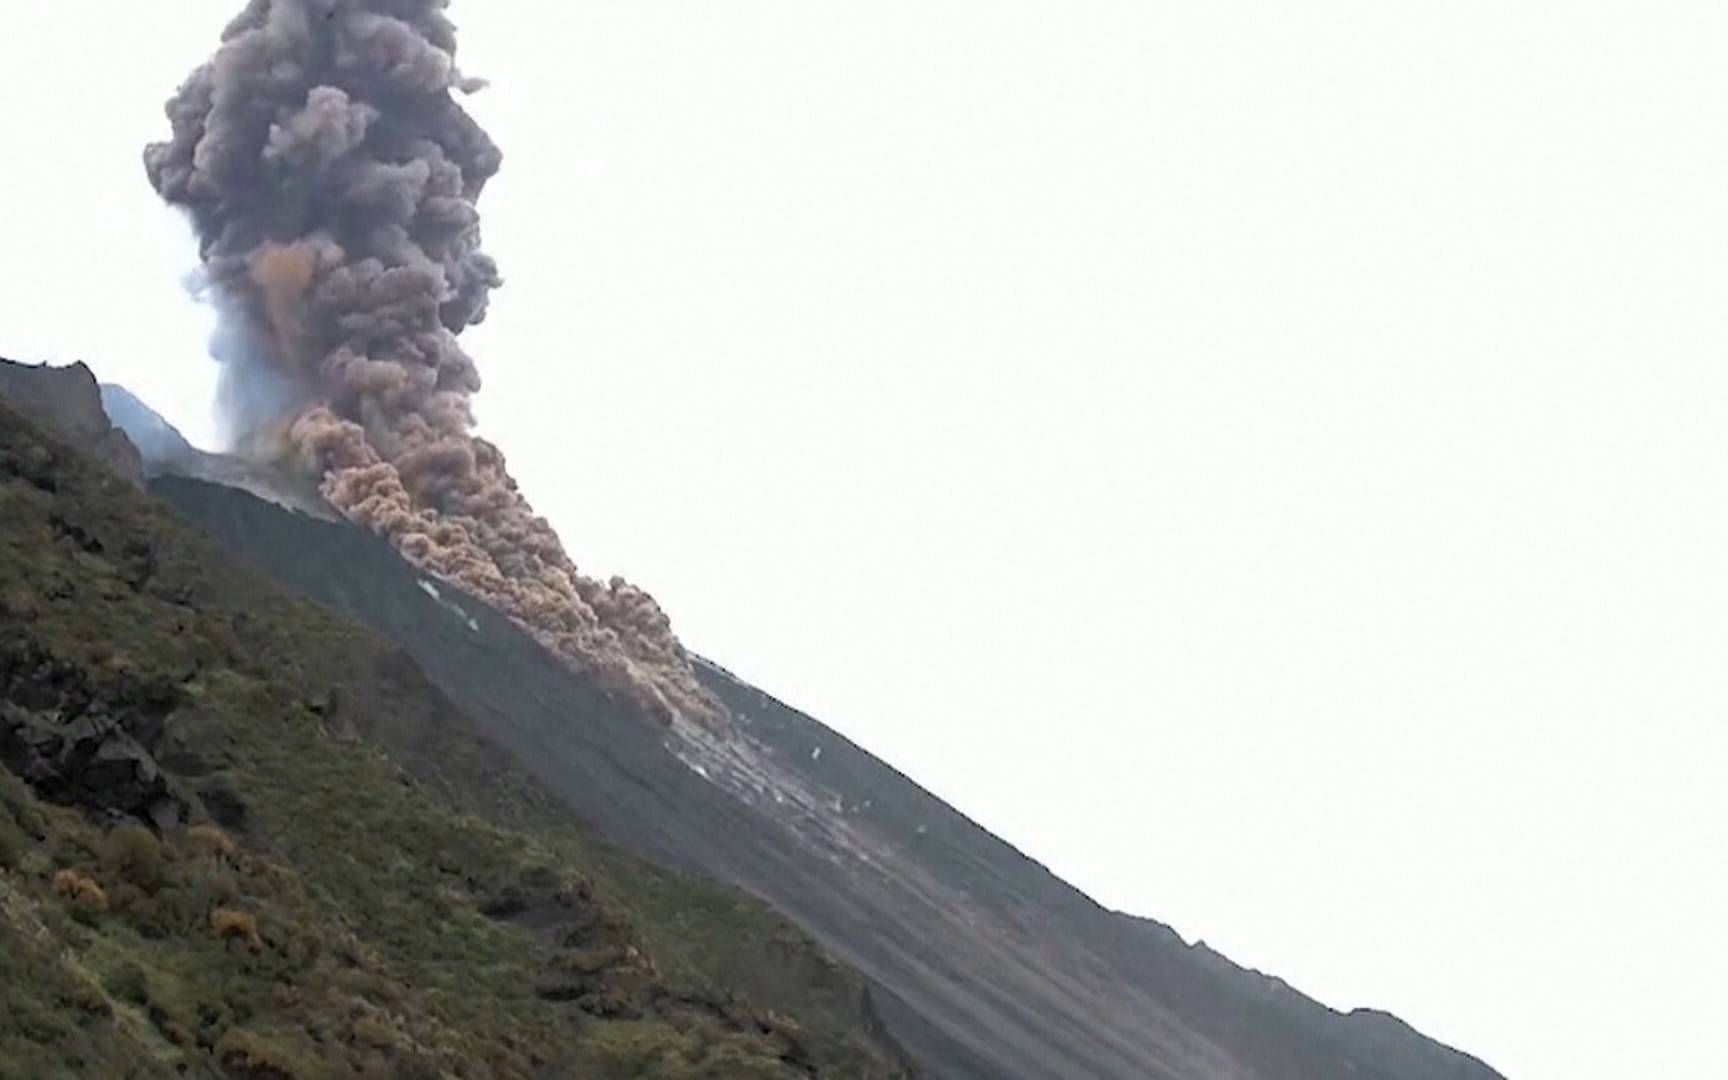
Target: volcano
<point>974,960</point>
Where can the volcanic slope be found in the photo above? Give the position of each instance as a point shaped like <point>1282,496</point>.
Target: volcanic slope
<point>242,835</point>
<point>984,963</point>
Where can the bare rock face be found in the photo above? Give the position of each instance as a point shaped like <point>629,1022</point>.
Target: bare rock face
<point>68,400</point>
<point>82,744</point>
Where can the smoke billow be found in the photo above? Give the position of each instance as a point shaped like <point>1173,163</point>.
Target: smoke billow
<point>332,178</point>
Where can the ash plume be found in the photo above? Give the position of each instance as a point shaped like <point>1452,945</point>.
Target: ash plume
<point>332,178</point>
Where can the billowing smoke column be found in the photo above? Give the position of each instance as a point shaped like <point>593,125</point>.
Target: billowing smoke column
<point>332,179</point>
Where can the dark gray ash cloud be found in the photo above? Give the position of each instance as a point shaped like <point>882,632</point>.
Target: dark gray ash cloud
<point>332,177</point>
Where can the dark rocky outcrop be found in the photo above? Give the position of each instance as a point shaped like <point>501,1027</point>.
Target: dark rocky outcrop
<point>82,744</point>
<point>68,400</point>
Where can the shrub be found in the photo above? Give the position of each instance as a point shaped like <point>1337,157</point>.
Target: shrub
<point>14,796</point>
<point>129,983</point>
<point>32,822</point>
<point>229,925</point>
<point>575,893</point>
<point>243,1053</point>
<point>210,842</point>
<point>174,911</point>
<point>77,992</point>
<point>11,845</point>
<point>91,899</point>
<point>84,893</point>
<point>133,853</point>
<point>373,1033</point>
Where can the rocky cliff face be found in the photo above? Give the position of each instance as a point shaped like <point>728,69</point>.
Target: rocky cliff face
<point>68,400</point>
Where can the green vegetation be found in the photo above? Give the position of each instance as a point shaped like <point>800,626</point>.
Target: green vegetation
<point>331,875</point>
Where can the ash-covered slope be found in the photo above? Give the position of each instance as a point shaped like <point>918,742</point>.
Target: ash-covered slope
<point>984,963</point>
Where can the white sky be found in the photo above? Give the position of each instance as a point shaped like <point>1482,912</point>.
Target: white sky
<point>1267,461</point>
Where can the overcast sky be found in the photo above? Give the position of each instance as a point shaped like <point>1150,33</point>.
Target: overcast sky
<point>1266,461</point>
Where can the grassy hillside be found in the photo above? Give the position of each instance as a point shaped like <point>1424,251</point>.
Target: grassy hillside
<point>242,836</point>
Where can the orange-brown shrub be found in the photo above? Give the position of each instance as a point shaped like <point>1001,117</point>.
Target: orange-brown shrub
<point>211,842</point>
<point>230,925</point>
<point>80,890</point>
<point>91,897</point>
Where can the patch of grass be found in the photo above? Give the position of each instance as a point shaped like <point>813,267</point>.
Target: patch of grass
<point>13,843</point>
<point>128,983</point>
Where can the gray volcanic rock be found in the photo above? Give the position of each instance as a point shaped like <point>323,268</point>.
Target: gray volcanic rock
<point>159,441</point>
<point>68,400</point>
<point>84,744</point>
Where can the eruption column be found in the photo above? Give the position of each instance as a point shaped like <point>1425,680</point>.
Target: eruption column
<point>332,178</point>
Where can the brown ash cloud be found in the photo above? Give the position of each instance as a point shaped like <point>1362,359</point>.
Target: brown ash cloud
<point>332,177</point>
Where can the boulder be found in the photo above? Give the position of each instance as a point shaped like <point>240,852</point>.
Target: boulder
<point>81,744</point>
